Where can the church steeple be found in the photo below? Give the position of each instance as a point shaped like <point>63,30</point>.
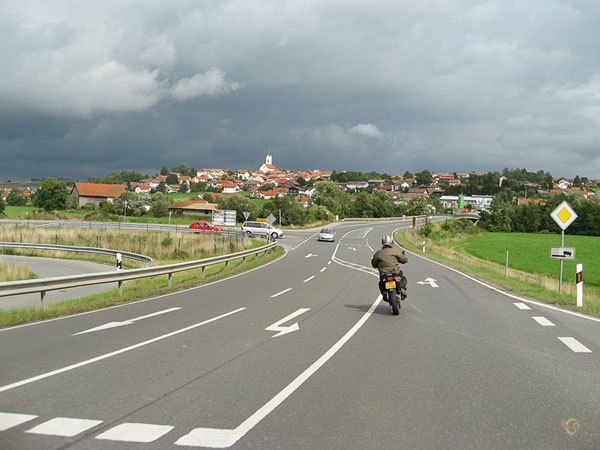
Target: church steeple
<point>269,159</point>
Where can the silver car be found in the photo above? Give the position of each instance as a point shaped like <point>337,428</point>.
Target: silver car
<point>327,234</point>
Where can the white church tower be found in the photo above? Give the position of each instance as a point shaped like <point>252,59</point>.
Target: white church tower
<point>268,165</point>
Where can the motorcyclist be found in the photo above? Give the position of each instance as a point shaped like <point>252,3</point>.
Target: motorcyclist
<point>390,258</point>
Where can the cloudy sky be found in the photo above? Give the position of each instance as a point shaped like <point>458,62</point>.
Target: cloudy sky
<point>90,88</point>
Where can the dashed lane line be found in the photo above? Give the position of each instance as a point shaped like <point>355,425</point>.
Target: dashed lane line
<point>543,321</point>
<point>521,306</point>
<point>281,293</point>
<point>574,345</point>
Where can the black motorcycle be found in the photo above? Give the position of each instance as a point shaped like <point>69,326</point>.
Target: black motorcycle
<point>391,281</point>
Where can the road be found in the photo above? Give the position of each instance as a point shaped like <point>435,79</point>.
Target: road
<point>48,267</point>
<point>225,366</point>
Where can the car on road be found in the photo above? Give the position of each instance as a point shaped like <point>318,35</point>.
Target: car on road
<point>204,226</point>
<point>327,234</point>
<point>261,228</point>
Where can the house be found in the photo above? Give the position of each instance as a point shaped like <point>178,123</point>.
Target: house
<point>95,193</point>
<point>194,208</point>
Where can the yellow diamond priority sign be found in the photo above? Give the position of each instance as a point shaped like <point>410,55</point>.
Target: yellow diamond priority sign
<point>564,215</point>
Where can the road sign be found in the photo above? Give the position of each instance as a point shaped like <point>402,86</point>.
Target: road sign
<point>271,219</point>
<point>564,215</point>
<point>562,252</point>
<point>224,217</point>
<point>246,214</point>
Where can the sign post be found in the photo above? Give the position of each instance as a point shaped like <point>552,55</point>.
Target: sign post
<point>564,216</point>
<point>579,280</point>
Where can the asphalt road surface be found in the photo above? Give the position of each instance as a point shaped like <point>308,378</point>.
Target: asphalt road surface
<point>49,267</point>
<point>302,354</point>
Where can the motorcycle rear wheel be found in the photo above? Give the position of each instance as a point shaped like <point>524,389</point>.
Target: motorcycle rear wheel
<point>393,299</point>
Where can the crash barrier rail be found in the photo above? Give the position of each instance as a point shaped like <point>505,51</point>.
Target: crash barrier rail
<point>102,251</point>
<point>113,226</point>
<point>380,219</point>
<point>42,285</point>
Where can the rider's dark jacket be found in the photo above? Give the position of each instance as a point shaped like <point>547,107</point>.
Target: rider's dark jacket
<point>388,258</point>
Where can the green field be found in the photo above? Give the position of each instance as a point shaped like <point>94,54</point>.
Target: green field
<point>15,211</point>
<point>531,253</point>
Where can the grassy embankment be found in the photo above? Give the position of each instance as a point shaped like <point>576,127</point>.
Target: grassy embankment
<point>531,273</point>
<point>165,248</point>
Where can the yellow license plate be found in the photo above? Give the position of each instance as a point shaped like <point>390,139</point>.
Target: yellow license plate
<point>390,285</point>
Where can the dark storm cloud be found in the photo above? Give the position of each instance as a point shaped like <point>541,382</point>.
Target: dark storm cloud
<point>457,85</point>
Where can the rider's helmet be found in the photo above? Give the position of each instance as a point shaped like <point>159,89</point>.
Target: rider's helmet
<point>387,241</point>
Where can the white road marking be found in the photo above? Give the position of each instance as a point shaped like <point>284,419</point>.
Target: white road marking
<point>280,293</point>
<point>310,255</point>
<point>64,426</point>
<point>127,322</point>
<point>290,328</point>
<point>430,281</point>
<point>223,438</point>
<point>308,279</point>
<point>543,321</point>
<point>135,432</point>
<point>323,269</point>
<point>493,288</point>
<point>115,353</point>
<point>574,345</point>
<point>522,306</point>
<point>9,420</point>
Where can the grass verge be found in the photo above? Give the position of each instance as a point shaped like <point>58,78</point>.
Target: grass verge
<point>136,290</point>
<point>528,285</point>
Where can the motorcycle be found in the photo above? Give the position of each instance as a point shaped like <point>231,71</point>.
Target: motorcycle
<point>390,280</point>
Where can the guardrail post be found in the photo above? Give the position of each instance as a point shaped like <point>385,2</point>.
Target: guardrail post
<point>203,269</point>
<point>120,288</point>
<point>226,264</point>
<point>243,260</point>
<point>42,295</point>
<point>170,279</point>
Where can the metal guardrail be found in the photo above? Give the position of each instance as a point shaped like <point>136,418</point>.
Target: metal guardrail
<point>42,285</point>
<point>113,226</point>
<point>102,251</point>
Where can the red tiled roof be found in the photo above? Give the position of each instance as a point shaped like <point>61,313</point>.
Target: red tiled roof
<point>99,190</point>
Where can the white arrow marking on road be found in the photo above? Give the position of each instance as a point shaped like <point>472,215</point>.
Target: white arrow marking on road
<point>429,281</point>
<point>285,330</point>
<point>310,255</point>
<point>106,326</point>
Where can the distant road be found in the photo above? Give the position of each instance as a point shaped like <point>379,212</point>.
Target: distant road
<point>50,267</point>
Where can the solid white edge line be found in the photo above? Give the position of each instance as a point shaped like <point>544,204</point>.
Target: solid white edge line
<point>115,353</point>
<point>224,438</point>
<point>42,322</point>
<point>574,345</point>
<point>543,305</point>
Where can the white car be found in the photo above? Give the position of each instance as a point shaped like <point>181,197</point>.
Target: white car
<point>261,228</point>
<point>327,234</point>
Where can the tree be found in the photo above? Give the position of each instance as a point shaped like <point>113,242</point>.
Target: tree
<point>172,179</point>
<point>159,205</point>
<point>424,178</point>
<point>15,198</point>
<point>52,195</point>
<point>238,204</point>
<point>2,205</point>
<point>164,170</point>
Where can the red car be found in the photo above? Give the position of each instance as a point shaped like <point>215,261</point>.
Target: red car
<point>204,226</point>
